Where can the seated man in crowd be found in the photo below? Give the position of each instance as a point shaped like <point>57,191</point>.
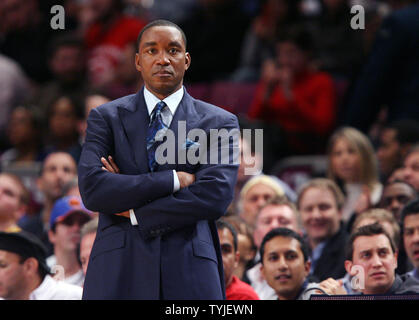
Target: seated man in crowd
<point>320,203</point>
<point>24,274</point>
<point>278,212</point>
<point>410,224</point>
<point>396,194</point>
<point>411,167</point>
<point>254,194</point>
<point>87,235</point>
<point>286,266</point>
<point>14,199</point>
<point>371,256</point>
<point>67,217</point>
<point>235,288</point>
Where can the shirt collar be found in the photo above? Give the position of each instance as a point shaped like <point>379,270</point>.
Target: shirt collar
<point>171,101</point>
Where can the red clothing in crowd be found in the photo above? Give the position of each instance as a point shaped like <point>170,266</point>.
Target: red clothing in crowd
<point>105,46</point>
<point>311,109</point>
<point>239,290</point>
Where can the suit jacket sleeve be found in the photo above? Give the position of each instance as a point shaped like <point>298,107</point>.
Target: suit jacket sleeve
<point>108,192</point>
<point>206,199</point>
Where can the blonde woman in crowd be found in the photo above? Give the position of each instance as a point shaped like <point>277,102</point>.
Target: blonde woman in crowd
<point>352,164</point>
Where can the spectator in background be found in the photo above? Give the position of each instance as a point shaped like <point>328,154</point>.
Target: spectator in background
<point>25,36</point>
<point>254,195</point>
<point>296,102</point>
<point>286,266</point>
<point>91,101</point>
<point>396,195</point>
<point>106,39</point>
<point>245,245</point>
<point>57,169</point>
<point>338,48</point>
<point>14,199</point>
<point>67,217</point>
<point>390,77</point>
<point>71,188</point>
<point>64,117</point>
<point>24,131</point>
<point>276,213</point>
<point>67,64</point>
<point>353,166</point>
<point>220,24</point>
<point>87,238</point>
<point>24,274</point>
<point>320,203</point>
<point>14,90</point>
<point>410,225</point>
<point>411,167</point>
<point>235,288</point>
<point>395,140</point>
<point>372,249</point>
<point>276,17</point>
<point>391,225</point>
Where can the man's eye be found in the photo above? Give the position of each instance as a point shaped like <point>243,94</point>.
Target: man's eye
<point>173,51</point>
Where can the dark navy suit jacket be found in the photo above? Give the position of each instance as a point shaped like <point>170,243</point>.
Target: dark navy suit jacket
<point>174,252</point>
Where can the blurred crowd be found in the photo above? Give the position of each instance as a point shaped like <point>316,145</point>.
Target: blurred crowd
<point>339,107</point>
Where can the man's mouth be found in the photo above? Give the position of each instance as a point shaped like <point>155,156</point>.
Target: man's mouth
<point>378,274</point>
<point>283,277</point>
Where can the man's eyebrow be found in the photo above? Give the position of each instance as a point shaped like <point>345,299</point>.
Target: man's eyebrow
<point>149,43</point>
<point>175,44</point>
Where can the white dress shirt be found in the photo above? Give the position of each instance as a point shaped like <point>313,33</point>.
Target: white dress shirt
<point>172,102</point>
<point>51,289</point>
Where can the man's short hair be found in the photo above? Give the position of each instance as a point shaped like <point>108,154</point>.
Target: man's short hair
<point>283,201</point>
<point>286,233</point>
<point>89,227</point>
<point>367,231</point>
<point>380,215</point>
<point>409,209</point>
<point>222,224</point>
<point>325,184</point>
<point>159,23</point>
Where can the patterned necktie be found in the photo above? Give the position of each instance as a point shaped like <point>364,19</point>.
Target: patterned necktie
<point>155,127</point>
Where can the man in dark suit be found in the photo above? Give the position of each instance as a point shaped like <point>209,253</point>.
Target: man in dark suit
<point>163,244</point>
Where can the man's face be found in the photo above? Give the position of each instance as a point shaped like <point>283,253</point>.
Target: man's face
<point>378,261</point>
<point>11,206</point>
<point>388,152</point>
<point>67,232</point>
<point>86,246</point>
<point>319,213</point>
<point>411,238</point>
<point>395,197</point>
<point>230,256</point>
<point>274,216</point>
<point>162,60</point>
<point>255,198</point>
<point>283,266</point>
<point>67,64</point>
<point>12,281</point>
<point>59,168</point>
<point>411,170</point>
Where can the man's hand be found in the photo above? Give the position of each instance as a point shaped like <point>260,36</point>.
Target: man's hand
<point>113,168</point>
<point>332,287</point>
<point>185,179</point>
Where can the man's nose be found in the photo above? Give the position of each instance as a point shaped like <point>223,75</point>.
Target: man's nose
<point>163,58</point>
<point>376,261</point>
<point>282,263</point>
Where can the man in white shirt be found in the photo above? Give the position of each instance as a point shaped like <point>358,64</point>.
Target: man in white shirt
<point>24,274</point>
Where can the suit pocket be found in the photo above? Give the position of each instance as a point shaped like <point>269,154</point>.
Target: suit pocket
<point>108,243</point>
<point>204,250</point>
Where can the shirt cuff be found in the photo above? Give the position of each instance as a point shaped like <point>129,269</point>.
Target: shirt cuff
<point>133,218</point>
<point>176,183</point>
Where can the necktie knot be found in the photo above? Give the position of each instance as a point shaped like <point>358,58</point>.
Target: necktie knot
<point>158,109</point>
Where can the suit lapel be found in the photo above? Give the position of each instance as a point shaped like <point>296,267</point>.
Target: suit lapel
<point>135,121</point>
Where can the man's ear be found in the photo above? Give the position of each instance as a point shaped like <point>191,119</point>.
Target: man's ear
<point>51,236</point>
<point>137,62</point>
<point>236,259</point>
<point>307,267</point>
<point>31,265</point>
<point>187,60</point>
<point>348,266</point>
